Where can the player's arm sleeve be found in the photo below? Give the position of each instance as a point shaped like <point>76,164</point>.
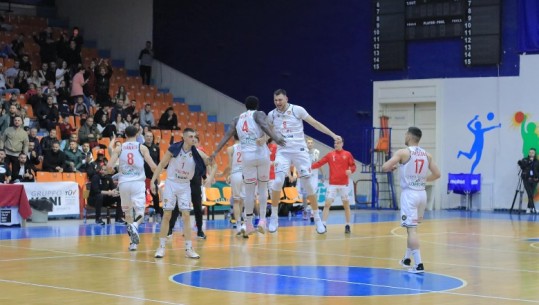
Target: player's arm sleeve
<point>320,162</point>
<point>352,163</point>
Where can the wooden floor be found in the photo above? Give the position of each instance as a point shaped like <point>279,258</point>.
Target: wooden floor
<point>494,256</point>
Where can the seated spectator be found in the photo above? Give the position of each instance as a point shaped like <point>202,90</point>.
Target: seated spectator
<point>146,116</point>
<point>105,127</point>
<point>25,119</point>
<point>50,90</point>
<point>47,141</point>
<point>6,51</point>
<point>64,144</point>
<point>5,87</point>
<point>88,132</point>
<point>100,111</point>
<point>4,119</point>
<point>54,160</point>
<point>42,73</point>
<point>48,115</point>
<point>117,109</point>
<point>14,70</point>
<point>64,110</point>
<point>17,45</point>
<point>80,108</point>
<point>63,92</point>
<point>33,156</point>
<point>98,191</point>
<point>25,64</point>
<point>66,130</point>
<point>20,82</point>
<point>120,125</point>
<point>73,156</point>
<point>5,173</point>
<point>23,171</point>
<point>32,137</point>
<point>122,94</point>
<point>36,79</point>
<point>10,87</point>
<point>168,120</point>
<point>131,108</point>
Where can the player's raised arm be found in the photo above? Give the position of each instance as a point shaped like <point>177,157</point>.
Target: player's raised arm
<point>322,128</point>
<point>231,131</point>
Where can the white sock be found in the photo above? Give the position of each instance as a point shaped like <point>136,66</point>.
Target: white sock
<point>274,212</point>
<point>317,215</point>
<point>162,242</point>
<point>417,256</point>
<point>188,244</point>
<point>408,253</point>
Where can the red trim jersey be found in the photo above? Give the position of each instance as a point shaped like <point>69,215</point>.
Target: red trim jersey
<point>339,161</point>
<point>273,152</point>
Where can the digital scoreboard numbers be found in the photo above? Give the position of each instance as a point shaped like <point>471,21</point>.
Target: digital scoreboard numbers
<point>389,44</point>
<point>476,22</point>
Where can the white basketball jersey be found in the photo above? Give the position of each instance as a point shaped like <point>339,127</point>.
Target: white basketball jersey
<point>131,163</point>
<point>236,159</point>
<point>413,173</point>
<point>290,124</point>
<point>181,169</point>
<point>248,131</point>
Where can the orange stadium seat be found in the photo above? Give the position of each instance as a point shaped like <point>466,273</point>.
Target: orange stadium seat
<point>48,177</point>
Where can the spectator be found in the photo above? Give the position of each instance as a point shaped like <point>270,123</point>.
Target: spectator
<point>47,141</point>
<point>64,144</point>
<point>63,92</point>
<point>74,156</point>
<point>14,70</point>
<point>18,45</point>
<point>10,87</point>
<point>21,82</point>
<point>25,119</point>
<point>103,83</point>
<point>6,51</point>
<point>5,173</point>
<point>73,57</point>
<point>120,125</point>
<point>25,64</point>
<point>61,74</point>
<point>36,79</point>
<point>23,171</point>
<point>77,38</point>
<point>145,59</point>
<point>51,73</point>
<point>54,160</point>
<point>104,127</point>
<point>33,156</point>
<point>42,73</point>
<point>47,46</point>
<point>4,120</point>
<point>4,86</point>
<point>117,109</point>
<point>88,132</point>
<point>67,132</point>
<point>50,90</point>
<point>64,110</point>
<point>95,198</point>
<point>89,74</point>
<point>62,46</point>
<point>100,112</point>
<point>88,158</point>
<point>122,94</point>
<point>146,116</point>
<point>14,141</point>
<point>168,120</point>
<point>80,109</point>
<point>77,84</point>
<point>48,115</point>
<point>35,98</point>
<point>32,138</point>
<point>130,108</point>
<point>13,112</point>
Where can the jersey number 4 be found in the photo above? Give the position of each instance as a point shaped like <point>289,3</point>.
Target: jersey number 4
<point>245,127</point>
<point>419,165</point>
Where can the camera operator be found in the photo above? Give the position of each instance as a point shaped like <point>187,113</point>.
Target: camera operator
<point>530,176</point>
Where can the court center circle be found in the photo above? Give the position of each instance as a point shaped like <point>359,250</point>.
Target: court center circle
<point>318,280</point>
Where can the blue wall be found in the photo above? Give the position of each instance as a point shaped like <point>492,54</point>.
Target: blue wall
<point>318,50</point>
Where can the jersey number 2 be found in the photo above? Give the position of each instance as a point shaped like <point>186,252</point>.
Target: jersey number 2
<point>419,165</point>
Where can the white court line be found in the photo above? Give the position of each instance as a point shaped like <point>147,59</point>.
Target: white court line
<point>87,291</point>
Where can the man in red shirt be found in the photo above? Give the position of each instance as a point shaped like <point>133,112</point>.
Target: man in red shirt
<point>341,166</point>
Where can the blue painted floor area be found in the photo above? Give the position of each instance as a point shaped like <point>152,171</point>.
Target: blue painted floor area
<point>72,228</point>
<point>317,280</point>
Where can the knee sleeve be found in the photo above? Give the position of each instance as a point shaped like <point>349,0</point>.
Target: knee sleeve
<point>278,182</point>
<point>307,186</point>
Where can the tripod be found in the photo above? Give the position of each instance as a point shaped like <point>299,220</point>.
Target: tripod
<point>517,191</point>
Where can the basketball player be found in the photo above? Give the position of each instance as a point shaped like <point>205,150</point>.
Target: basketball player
<point>131,182</point>
<point>251,127</point>
<point>235,179</point>
<point>287,119</point>
<point>184,162</point>
<point>314,155</point>
<point>414,165</point>
<point>341,166</point>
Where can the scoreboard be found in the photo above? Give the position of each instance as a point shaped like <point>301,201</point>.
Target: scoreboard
<point>476,22</point>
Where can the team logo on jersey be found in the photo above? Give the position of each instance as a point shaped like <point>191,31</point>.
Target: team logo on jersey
<point>403,217</point>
